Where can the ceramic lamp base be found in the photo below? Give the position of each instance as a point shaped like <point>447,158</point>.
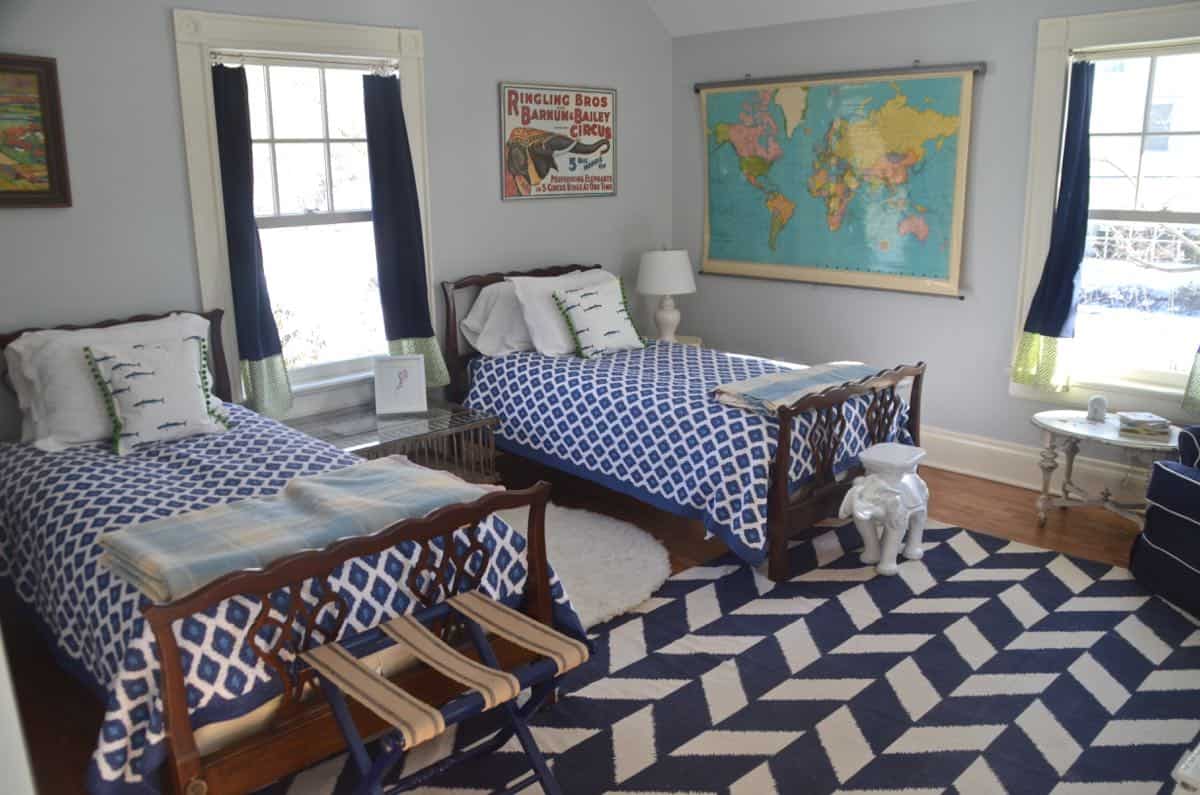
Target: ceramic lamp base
<point>667,319</point>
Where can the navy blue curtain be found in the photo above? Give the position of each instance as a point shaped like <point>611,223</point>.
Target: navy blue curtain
<point>1052,313</point>
<point>399,246</point>
<point>263,373</point>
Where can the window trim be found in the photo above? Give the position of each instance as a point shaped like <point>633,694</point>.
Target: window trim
<point>1125,34</point>
<point>201,35</point>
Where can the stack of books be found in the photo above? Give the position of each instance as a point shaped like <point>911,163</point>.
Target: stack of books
<point>1144,424</point>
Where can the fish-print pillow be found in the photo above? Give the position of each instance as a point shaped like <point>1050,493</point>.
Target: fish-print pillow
<point>598,318</point>
<point>153,392</point>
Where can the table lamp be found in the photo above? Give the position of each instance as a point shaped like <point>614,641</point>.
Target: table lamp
<point>666,273</point>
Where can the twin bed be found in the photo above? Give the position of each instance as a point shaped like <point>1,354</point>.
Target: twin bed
<point>644,422</point>
<point>226,711</point>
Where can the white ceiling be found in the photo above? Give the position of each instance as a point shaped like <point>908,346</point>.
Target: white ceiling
<point>689,17</point>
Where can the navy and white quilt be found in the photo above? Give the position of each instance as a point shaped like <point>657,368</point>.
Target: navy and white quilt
<point>644,423</point>
<point>53,507</point>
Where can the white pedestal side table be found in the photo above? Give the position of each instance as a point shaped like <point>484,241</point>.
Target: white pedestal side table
<point>1065,430</point>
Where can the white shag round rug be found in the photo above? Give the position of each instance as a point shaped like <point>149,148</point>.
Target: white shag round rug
<point>607,566</point>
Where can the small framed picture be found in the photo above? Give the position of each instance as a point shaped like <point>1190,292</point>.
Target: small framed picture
<point>400,385</point>
<point>33,155</point>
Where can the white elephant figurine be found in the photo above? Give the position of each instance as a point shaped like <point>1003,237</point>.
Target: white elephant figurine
<point>891,500</point>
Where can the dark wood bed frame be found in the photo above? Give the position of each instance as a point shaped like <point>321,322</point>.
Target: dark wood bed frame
<point>302,730</point>
<point>791,514</point>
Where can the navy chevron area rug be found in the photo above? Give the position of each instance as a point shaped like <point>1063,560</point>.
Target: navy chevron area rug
<point>988,666</point>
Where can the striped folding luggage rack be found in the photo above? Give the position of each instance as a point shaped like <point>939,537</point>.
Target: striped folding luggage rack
<point>486,684</point>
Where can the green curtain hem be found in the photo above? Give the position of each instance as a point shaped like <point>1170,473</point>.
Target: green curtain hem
<point>1041,363</point>
<point>268,388</point>
<point>436,374</point>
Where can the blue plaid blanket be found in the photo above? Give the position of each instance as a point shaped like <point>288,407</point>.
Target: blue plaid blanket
<point>169,558</point>
<point>772,391</point>
<point>55,507</point>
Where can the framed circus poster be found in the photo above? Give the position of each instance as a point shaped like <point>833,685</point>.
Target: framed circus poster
<point>557,141</point>
<point>33,153</point>
<point>855,179</point>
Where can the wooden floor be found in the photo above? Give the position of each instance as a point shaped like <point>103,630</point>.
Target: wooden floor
<point>962,500</point>
<point>62,718</point>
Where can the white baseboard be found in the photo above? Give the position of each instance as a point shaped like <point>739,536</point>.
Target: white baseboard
<point>1017,464</point>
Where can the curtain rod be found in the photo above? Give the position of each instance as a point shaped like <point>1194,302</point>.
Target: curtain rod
<point>1113,52</point>
<point>241,58</point>
<point>978,67</point>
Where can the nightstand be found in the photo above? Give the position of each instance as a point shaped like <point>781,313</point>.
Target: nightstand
<point>685,340</point>
<point>448,436</point>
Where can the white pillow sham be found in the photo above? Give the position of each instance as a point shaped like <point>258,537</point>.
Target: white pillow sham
<point>495,325</point>
<point>152,392</point>
<point>546,324</point>
<point>598,318</point>
<point>21,389</point>
<point>55,387</point>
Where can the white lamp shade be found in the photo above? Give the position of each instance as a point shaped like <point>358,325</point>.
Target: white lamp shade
<point>666,273</point>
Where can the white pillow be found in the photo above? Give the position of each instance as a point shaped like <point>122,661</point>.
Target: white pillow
<point>152,392</point>
<point>546,324</point>
<point>21,388</point>
<point>598,318</point>
<point>495,325</point>
<point>54,385</point>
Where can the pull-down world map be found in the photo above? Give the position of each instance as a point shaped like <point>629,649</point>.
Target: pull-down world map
<point>849,181</point>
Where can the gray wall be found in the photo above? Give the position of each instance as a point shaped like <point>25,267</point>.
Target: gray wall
<point>967,343</point>
<point>126,245</point>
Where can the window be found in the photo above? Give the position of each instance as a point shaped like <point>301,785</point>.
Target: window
<point>312,198</point>
<point>1137,314</point>
<point>1138,318</point>
<point>312,194</point>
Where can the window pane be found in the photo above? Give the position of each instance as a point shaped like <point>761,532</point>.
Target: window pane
<point>264,197</point>
<point>351,179</point>
<point>296,101</point>
<point>1175,106</point>
<point>1119,95</point>
<point>324,292</point>
<point>256,87</point>
<point>1171,174</point>
<point>1132,317</point>
<point>344,95</point>
<point>1114,171</point>
<point>302,185</point>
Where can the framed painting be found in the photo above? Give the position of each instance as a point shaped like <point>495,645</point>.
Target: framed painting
<point>33,154</point>
<point>855,179</point>
<point>557,141</point>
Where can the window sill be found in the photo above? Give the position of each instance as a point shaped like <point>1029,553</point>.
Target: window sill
<point>1122,396</point>
<point>1136,388</point>
<point>332,383</point>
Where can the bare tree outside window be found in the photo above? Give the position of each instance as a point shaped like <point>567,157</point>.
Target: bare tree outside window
<point>1139,285</point>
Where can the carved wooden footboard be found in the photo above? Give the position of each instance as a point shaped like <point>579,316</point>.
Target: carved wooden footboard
<point>794,514</point>
<point>295,615</point>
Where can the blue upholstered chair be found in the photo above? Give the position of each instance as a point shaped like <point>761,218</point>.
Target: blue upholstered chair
<point>1166,555</point>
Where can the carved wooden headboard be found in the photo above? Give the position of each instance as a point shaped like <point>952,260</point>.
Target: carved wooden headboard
<point>457,354</point>
<point>222,387</point>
